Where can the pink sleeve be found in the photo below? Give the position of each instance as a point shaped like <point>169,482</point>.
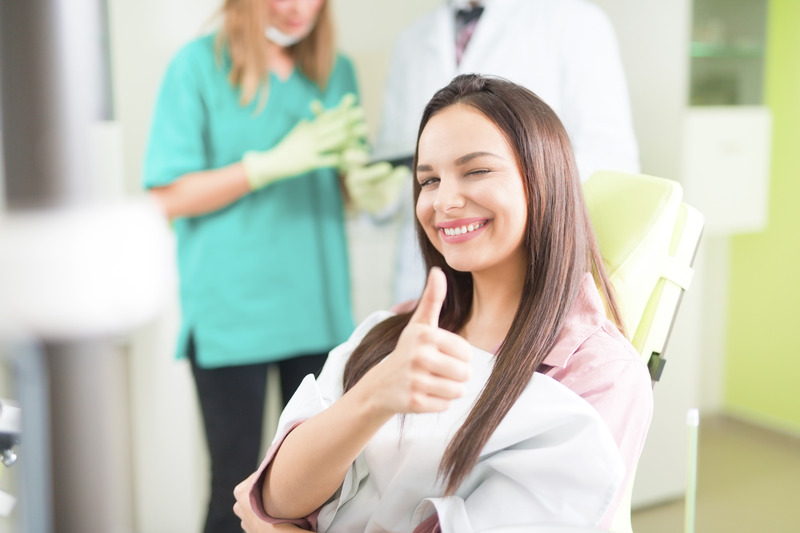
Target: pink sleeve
<point>256,503</point>
<point>622,394</point>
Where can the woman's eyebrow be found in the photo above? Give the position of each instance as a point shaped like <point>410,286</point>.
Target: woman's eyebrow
<point>460,161</point>
<point>469,157</point>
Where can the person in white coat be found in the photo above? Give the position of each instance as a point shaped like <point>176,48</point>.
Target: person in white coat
<point>565,51</point>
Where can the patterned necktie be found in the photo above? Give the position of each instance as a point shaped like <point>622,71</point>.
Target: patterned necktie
<point>466,20</point>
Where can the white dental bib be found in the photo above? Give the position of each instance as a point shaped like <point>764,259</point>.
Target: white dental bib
<point>551,460</point>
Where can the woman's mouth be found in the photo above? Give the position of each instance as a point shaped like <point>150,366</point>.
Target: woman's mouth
<point>458,231</point>
<point>466,228</point>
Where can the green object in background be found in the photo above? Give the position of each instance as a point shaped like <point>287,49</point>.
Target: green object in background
<point>763,352</point>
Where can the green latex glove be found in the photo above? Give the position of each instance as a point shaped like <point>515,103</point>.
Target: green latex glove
<point>354,156</point>
<point>356,152</point>
<point>376,187</point>
<point>311,144</point>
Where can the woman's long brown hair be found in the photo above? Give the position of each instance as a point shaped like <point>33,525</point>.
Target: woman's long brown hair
<point>561,249</point>
<point>242,35</point>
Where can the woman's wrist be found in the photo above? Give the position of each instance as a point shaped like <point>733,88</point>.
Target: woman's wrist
<point>367,396</point>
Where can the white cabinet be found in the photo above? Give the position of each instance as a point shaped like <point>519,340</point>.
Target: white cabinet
<point>727,131</point>
<point>726,161</point>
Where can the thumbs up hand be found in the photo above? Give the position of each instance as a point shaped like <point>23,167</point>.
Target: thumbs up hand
<point>429,365</point>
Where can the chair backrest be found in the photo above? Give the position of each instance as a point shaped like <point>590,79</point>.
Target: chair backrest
<point>648,238</point>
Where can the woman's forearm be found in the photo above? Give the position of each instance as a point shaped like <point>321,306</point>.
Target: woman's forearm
<point>198,193</point>
<point>314,458</point>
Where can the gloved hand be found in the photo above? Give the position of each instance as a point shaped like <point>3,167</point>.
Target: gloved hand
<point>311,144</point>
<point>371,188</point>
<point>355,155</point>
<point>375,187</point>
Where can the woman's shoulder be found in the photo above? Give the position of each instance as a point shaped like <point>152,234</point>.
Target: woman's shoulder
<point>600,360</point>
<point>342,60</point>
<point>197,53</point>
<point>606,352</point>
<point>343,66</point>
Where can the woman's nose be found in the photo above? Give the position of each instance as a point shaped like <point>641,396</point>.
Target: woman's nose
<point>448,196</point>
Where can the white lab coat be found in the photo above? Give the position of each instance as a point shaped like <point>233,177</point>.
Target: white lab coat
<point>563,50</point>
<point>552,460</point>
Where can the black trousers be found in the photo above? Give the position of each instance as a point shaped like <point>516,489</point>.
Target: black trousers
<point>232,405</point>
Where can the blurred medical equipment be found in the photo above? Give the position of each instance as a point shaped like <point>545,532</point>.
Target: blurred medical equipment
<point>9,431</point>
<point>648,238</point>
<point>79,270</point>
<point>9,438</point>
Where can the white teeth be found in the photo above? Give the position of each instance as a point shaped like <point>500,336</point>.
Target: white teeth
<point>452,232</point>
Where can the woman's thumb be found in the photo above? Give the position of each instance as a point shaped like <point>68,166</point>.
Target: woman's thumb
<point>430,303</point>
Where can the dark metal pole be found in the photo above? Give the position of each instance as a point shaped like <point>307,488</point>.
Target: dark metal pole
<point>53,87</point>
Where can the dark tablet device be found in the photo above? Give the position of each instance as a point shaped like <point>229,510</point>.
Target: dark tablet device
<point>401,160</point>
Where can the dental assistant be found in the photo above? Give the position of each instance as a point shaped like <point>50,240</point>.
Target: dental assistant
<point>563,50</point>
<point>249,131</point>
<point>508,397</point>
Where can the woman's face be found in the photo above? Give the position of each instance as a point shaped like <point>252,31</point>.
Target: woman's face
<point>295,18</point>
<point>472,201</point>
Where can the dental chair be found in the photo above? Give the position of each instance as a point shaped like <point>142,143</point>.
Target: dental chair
<point>648,238</point>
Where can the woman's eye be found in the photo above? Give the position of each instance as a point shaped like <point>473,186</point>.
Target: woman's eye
<point>428,182</point>
<point>478,172</point>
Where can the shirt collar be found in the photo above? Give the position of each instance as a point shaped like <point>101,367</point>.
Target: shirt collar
<point>586,317</point>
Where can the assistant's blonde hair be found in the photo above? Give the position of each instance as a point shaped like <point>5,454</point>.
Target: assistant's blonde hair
<point>242,33</point>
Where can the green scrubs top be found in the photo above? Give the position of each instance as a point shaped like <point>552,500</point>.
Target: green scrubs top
<point>267,277</point>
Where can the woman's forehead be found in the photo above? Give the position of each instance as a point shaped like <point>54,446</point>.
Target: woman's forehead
<point>459,129</point>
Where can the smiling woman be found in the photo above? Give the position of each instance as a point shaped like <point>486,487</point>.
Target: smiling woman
<point>507,396</point>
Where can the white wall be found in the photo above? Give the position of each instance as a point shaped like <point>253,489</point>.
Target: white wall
<point>654,42</point>
<point>366,32</point>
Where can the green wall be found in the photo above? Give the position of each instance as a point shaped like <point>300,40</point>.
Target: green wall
<point>763,341</point>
